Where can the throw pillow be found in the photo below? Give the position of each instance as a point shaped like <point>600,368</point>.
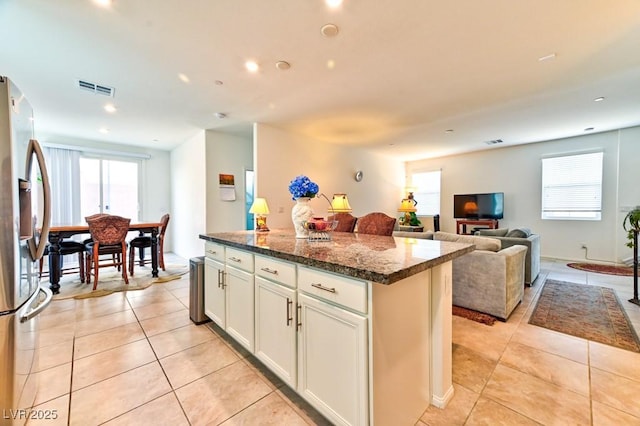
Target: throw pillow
<point>500,232</point>
<point>519,233</point>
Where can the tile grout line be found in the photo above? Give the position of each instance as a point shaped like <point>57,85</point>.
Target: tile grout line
<point>173,391</point>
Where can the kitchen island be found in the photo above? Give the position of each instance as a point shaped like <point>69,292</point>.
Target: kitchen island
<point>359,326</point>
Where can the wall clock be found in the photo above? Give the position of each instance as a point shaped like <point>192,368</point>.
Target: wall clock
<point>358,176</point>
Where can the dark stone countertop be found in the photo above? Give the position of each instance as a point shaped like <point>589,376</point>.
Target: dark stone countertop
<point>380,259</point>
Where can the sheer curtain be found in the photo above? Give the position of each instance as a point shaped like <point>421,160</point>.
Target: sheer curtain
<point>63,166</point>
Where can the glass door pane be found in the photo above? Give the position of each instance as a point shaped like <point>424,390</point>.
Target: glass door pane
<point>108,186</point>
<point>90,187</point>
<point>120,188</point>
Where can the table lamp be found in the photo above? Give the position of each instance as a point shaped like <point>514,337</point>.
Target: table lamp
<point>261,210</point>
<point>407,207</point>
<point>340,203</point>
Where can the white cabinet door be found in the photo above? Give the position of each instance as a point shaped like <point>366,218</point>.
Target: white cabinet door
<point>276,329</point>
<point>240,307</point>
<point>214,291</point>
<point>332,361</point>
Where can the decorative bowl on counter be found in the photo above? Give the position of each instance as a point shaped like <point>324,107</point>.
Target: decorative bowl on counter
<point>320,229</point>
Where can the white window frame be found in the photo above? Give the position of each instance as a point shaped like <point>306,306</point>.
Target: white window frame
<point>572,186</point>
<point>428,198</point>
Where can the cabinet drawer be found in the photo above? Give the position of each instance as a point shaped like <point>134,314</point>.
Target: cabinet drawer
<point>214,251</point>
<point>335,288</point>
<point>239,259</point>
<point>276,270</point>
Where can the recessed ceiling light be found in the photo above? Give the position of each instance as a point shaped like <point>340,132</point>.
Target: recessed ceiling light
<point>103,130</point>
<point>588,129</point>
<point>331,64</point>
<point>599,99</point>
<point>103,3</point>
<point>449,131</point>
<point>547,57</point>
<point>220,115</point>
<point>333,3</point>
<point>252,66</point>
<point>110,108</point>
<point>329,30</point>
<point>184,78</point>
<point>218,83</point>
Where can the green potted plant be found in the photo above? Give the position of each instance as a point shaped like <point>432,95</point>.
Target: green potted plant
<point>631,224</point>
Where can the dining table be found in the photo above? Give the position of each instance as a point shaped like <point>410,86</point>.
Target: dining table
<point>59,232</point>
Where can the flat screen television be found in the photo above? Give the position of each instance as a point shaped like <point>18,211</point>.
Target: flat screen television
<point>478,206</point>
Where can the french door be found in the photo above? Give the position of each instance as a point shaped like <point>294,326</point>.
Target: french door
<point>109,186</point>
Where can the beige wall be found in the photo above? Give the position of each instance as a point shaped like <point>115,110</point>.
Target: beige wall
<point>516,171</point>
<point>188,186</point>
<point>233,155</point>
<point>280,156</point>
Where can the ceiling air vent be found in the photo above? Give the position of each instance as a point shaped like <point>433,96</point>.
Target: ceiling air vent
<point>96,88</point>
<point>494,142</point>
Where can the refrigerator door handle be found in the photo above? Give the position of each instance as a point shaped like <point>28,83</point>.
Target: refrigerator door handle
<point>35,312</point>
<point>38,251</point>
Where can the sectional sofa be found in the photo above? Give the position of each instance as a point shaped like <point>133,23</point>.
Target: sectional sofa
<point>489,279</point>
<point>524,237</point>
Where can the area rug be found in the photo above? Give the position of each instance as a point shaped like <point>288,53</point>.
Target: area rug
<point>586,311</point>
<point>472,315</point>
<point>110,281</point>
<point>603,269</point>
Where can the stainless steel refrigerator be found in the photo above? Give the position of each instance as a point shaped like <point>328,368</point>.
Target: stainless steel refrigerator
<point>24,227</point>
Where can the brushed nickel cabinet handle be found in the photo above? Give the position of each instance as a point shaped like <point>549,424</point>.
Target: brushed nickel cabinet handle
<point>321,287</point>
<point>270,271</point>
<point>221,283</point>
<point>299,315</point>
<point>289,317</point>
<point>235,259</point>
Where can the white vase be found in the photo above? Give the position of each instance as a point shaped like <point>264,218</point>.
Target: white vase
<point>300,213</point>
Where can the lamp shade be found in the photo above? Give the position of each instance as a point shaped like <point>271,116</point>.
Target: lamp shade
<point>340,203</point>
<point>259,206</point>
<point>407,206</point>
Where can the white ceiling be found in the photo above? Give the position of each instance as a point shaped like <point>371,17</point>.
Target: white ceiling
<point>405,70</point>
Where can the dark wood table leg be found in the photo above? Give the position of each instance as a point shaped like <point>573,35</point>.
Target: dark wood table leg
<point>154,252</point>
<point>54,263</point>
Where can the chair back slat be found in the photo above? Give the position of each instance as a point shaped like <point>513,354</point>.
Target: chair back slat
<point>376,223</point>
<point>164,220</point>
<point>108,229</point>
<point>346,222</point>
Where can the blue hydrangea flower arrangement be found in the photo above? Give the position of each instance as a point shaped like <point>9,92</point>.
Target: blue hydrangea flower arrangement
<point>302,186</point>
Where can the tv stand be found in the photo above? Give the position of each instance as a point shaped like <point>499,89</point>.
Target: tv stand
<point>461,224</point>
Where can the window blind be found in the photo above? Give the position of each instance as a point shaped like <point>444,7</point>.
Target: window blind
<point>427,192</point>
<point>572,187</point>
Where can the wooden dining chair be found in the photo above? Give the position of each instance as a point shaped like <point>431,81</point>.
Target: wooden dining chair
<point>376,223</point>
<point>143,241</point>
<point>108,233</point>
<point>66,248</point>
<point>346,222</point>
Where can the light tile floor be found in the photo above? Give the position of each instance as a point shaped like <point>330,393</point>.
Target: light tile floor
<point>136,358</point>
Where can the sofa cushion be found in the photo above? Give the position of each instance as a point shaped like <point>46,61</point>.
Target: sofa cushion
<point>481,243</point>
<point>426,235</point>
<point>519,233</point>
<point>500,232</point>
